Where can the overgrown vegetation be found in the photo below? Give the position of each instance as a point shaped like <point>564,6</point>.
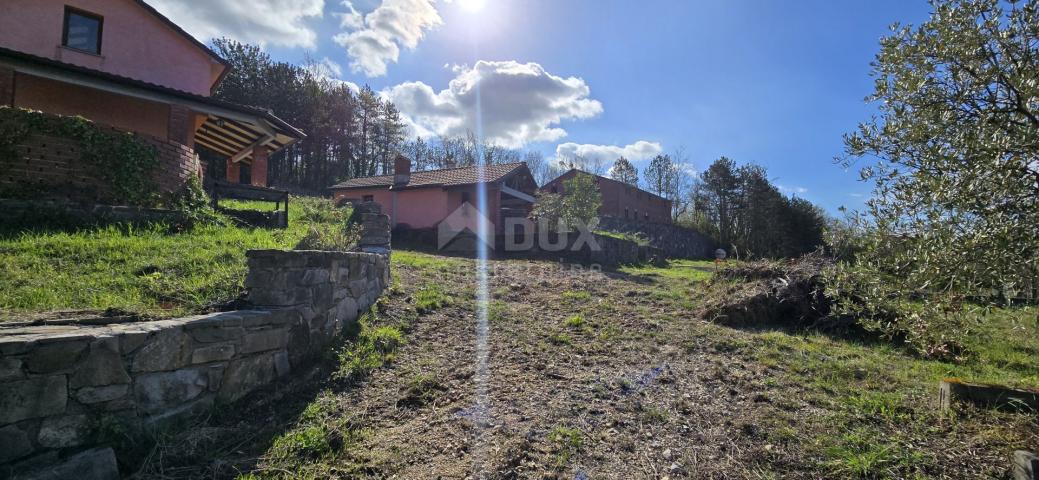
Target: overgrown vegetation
<point>952,221</point>
<point>328,227</point>
<point>122,161</point>
<point>577,206</point>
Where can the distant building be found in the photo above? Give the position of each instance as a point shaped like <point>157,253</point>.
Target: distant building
<point>620,200</point>
<point>122,64</point>
<point>421,200</point>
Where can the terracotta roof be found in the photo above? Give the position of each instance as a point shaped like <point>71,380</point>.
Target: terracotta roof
<point>442,178</point>
<point>29,59</point>
<point>557,180</point>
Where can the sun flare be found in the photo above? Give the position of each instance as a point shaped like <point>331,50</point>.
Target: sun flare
<point>472,5</point>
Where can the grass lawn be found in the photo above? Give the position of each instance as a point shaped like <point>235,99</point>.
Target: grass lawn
<point>145,270</point>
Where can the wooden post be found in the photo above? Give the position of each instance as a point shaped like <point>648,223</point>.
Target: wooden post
<point>1026,466</point>
<point>953,390</point>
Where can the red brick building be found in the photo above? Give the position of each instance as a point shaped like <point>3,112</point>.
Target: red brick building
<point>620,200</point>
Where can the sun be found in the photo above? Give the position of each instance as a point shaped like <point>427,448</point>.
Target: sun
<point>472,5</point>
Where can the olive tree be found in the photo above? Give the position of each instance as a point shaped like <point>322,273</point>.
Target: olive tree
<point>954,157</point>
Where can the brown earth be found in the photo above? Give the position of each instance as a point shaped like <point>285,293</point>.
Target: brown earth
<point>639,387</point>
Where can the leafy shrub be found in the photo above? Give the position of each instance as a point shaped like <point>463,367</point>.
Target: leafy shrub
<point>121,160</point>
<point>194,204</point>
<point>329,237</point>
<point>933,324</point>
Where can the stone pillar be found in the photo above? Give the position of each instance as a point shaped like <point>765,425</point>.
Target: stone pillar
<point>6,87</point>
<point>259,166</point>
<point>232,171</point>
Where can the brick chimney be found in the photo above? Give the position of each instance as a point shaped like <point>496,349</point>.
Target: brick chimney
<point>401,170</point>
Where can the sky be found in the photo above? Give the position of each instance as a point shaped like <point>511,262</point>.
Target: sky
<point>775,83</point>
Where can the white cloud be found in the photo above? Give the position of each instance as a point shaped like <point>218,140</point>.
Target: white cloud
<point>263,22</point>
<point>326,69</point>
<point>392,25</point>
<point>607,154</point>
<point>350,19</point>
<point>801,190</point>
<point>519,103</point>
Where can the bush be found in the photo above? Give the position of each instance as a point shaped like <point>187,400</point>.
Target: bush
<point>329,229</point>
<point>194,204</point>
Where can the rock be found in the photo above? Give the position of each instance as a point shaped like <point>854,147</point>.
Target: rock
<point>346,311</point>
<point>156,392</point>
<point>103,366</point>
<point>61,432</point>
<point>14,443</point>
<point>1026,465</point>
<point>53,357</point>
<point>212,334</point>
<point>10,368</point>
<point>315,276</point>
<point>33,398</point>
<point>212,353</point>
<point>93,464</point>
<point>130,340</point>
<point>245,374</point>
<point>106,393</point>
<point>281,363</point>
<point>264,340</point>
<point>164,351</point>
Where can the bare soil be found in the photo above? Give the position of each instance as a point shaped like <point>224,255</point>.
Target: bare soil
<point>591,375</point>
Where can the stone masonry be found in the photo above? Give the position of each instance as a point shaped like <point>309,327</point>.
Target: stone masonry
<point>61,383</point>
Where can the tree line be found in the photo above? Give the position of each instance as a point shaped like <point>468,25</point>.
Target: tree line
<point>349,134</point>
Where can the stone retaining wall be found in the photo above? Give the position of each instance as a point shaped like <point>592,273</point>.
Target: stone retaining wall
<point>675,241</point>
<point>59,384</point>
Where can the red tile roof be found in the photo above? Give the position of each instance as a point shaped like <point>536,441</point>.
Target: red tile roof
<point>439,178</point>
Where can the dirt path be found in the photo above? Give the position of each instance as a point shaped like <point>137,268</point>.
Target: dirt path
<point>591,376</point>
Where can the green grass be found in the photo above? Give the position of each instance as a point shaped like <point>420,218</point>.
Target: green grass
<point>373,347</point>
<point>577,295</point>
<point>260,205</point>
<point>691,270</point>
<point>431,297</point>
<point>567,442</point>
<point>425,261</point>
<point>147,270</point>
<point>641,240</point>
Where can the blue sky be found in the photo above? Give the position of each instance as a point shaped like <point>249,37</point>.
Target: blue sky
<point>770,82</point>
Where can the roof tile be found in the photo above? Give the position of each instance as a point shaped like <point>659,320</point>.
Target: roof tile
<point>446,177</point>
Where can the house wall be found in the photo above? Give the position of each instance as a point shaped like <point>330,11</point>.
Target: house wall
<point>134,42</point>
<point>621,200</point>
<point>125,113</point>
<point>422,208</point>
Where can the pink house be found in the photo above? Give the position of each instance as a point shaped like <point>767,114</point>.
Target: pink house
<point>421,200</point>
<point>122,64</point>
<point>619,200</point>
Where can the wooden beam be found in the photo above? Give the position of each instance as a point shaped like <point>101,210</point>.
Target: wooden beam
<point>518,194</point>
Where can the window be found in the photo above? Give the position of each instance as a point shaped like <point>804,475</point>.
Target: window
<point>368,198</point>
<point>646,216</point>
<point>82,31</point>
<point>555,190</point>
<point>626,213</point>
<point>465,197</point>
